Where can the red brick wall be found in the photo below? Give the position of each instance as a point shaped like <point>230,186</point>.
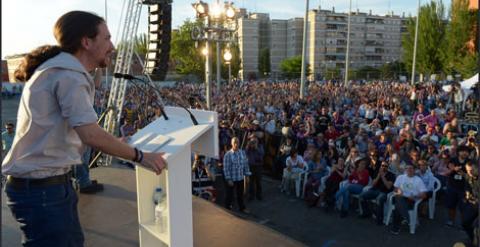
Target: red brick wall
<point>4,70</point>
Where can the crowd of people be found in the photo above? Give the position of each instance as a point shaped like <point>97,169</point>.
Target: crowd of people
<point>388,136</point>
<point>11,90</point>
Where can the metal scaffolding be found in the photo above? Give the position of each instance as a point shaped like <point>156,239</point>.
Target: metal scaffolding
<point>122,65</point>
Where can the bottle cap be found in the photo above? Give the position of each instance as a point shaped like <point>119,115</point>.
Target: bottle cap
<point>158,189</point>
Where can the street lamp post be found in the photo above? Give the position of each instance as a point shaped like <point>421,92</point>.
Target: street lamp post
<point>415,44</point>
<point>228,56</point>
<point>218,67</point>
<point>348,44</point>
<point>304,52</point>
<point>208,82</point>
<point>216,26</point>
<point>216,12</point>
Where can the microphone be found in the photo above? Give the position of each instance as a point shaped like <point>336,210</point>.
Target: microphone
<point>125,76</point>
<point>132,78</point>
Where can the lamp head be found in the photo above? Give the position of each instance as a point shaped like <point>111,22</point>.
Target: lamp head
<point>229,10</point>
<point>227,56</point>
<point>216,11</point>
<point>201,8</point>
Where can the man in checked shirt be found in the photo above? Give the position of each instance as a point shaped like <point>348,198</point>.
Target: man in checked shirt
<point>235,168</point>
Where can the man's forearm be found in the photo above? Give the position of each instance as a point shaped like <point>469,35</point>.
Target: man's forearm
<point>97,138</point>
<point>113,146</point>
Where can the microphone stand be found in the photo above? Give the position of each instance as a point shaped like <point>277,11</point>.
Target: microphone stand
<point>100,119</point>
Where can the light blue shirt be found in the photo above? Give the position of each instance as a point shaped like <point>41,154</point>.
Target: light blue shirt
<point>7,140</point>
<point>428,179</point>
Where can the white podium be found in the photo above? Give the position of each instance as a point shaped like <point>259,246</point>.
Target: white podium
<point>178,138</point>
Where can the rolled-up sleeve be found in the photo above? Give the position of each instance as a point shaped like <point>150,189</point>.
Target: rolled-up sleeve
<point>74,94</point>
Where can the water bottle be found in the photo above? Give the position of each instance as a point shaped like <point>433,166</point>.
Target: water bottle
<point>160,209</point>
<point>157,195</point>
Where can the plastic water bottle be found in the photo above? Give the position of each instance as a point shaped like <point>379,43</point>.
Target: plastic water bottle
<point>158,194</point>
<point>160,210</point>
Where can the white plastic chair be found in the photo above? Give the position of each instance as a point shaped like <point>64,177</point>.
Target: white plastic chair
<point>304,178</point>
<point>431,201</point>
<point>323,181</point>
<point>300,182</point>
<point>413,214</point>
<point>301,176</point>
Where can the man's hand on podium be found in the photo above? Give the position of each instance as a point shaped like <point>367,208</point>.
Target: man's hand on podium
<point>154,161</point>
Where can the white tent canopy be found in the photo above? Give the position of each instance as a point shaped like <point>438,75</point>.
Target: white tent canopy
<point>466,86</point>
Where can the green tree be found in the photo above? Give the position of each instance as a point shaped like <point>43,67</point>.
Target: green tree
<point>264,62</point>
<point>333,73</point>
<point>391,70</point>
<point>368,73</point>
<point>431,32</point>
<point>292,67</point>
<point>461,55</point>
<point>140,44</point>
<point>186,57</point>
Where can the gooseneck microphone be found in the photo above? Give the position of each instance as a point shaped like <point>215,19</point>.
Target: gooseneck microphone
<point>133,78</point>
<point>125,76</point>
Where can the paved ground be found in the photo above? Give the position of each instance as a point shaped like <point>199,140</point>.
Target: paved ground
<point>109,218</point>
<point>314,227</point>
<point>285,214</point>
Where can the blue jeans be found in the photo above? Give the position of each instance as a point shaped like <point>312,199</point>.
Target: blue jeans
<point>81,172</point>
<point>373,194</point>
<point>344,193</point>
<point>47,215</point>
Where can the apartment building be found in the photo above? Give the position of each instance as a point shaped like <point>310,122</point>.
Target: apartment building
<point>374,40</point>
<point>253,34</point>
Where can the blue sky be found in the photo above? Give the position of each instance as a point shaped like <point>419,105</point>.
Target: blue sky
<point>27,24</point>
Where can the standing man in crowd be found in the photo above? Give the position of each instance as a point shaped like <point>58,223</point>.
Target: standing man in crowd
<point>470,202</point>
<point>255,154</point>
<point>456,184</point>
<point>55,121</point>
<point>235,168</point>
<point>7,138</point>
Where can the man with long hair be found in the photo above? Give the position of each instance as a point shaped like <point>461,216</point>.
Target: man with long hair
<point>55,121</point>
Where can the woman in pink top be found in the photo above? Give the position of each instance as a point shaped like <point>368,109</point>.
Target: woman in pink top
<point>356,181</point>
<point>432,119</point>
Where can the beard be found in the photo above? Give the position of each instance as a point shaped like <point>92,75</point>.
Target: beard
<point>102,65</point>
<point>105,61</point>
